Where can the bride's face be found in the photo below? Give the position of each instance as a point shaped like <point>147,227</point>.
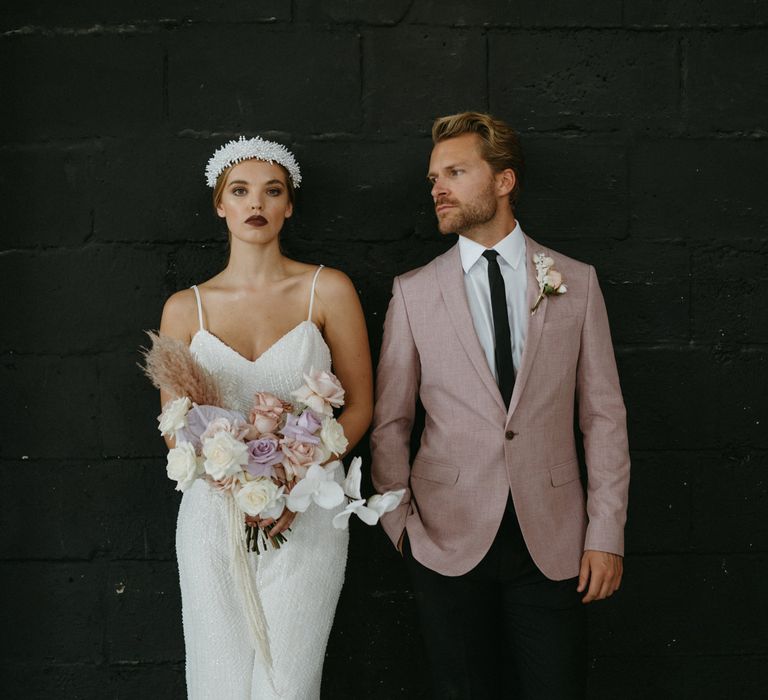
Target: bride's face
<point>255,201</point>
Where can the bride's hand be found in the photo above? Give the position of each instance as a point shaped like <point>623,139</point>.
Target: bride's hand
<point>281,524</point>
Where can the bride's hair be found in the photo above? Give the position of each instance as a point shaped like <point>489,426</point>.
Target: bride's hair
<point>500,143</point>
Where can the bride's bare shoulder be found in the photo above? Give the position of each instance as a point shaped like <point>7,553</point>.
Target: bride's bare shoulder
<point>180,319</point>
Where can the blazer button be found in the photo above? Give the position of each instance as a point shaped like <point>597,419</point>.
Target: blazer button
<point>510,434</point>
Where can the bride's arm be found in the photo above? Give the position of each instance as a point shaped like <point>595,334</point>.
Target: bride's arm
<point>178,321</point>
<point>341,318</point>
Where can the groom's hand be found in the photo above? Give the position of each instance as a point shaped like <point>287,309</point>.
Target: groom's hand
<point>601,572</point>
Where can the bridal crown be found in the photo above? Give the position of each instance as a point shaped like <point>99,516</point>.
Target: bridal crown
<point>244,149</point>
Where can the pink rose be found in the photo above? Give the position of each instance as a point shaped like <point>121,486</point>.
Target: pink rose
<point>554,279</point>
<point>297,456</point>
<point>267,412</point>
<point>322,392</point>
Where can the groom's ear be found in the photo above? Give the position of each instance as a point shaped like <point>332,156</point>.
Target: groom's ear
<point>505,182</point>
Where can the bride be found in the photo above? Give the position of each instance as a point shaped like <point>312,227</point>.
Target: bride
<point>258,325</point>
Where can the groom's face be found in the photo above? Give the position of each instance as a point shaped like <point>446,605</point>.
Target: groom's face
<point>463,185</point>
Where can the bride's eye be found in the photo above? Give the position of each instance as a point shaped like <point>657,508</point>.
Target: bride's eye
<point>274,192</point>
<point>238,191</point>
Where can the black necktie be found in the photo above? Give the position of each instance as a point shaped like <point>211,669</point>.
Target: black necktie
<point>505,369</point>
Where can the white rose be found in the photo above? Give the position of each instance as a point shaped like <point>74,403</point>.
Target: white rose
<point>174,416</point>
<point>254,496</point>
<point>224,455</point>
<point>332,436</point>
<point>183,466</point>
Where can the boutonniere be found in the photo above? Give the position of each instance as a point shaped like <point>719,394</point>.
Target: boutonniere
<point>550,280</point>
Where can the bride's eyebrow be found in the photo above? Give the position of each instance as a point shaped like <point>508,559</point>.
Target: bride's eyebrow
<point>238,182</point>
<point>274,182</point>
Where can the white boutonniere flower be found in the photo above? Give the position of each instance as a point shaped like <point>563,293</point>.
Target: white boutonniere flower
<point>550,280</point>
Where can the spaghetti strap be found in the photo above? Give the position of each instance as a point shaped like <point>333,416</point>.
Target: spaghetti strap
<point>312,293</point>
<point>199,307</point>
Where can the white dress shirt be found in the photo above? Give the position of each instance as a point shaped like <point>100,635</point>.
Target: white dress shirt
<point>511,259</point>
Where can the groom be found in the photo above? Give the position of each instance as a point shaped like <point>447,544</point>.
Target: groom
<point>502,543</point>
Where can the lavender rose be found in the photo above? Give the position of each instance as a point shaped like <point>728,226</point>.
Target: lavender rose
<point>262,454</point>
<point>302,428</point>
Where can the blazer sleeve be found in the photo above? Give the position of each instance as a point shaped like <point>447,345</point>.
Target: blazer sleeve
<point>397,384</point>
<point>602,419</point>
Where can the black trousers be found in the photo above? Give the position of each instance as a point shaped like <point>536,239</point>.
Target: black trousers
<point>502,630</point>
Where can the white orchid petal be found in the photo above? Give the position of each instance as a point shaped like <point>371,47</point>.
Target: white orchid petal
<point>368,515</point>
<point>341,520</point>
<point>386,502</point>
<point>298,503</point>
<point>352,481</point>
<point>328,495</point>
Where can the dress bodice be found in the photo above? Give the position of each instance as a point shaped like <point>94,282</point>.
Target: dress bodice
<point>279,370</point>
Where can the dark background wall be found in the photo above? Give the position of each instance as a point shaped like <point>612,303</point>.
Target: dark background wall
<point>645,129</point>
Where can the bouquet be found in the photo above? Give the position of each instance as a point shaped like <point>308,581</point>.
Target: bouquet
<point>281,455</point>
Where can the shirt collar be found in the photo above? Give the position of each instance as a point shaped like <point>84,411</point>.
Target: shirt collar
<point>511,248</point>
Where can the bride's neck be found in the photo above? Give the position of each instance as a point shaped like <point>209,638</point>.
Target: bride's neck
<point>250,263</point>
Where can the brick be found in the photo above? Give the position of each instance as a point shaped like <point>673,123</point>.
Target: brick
<point>659,519</point>
<point>727,81</point>
<point>637,279</point>
<point>377,589</point>
<point>68,86</point>
<point>699,189</point>
<point>729,501</point>
<point>574,188</point>
<point>495,13</point>
<point>153,189</point>
<point>563,13</point>
<point>95,298</point>
<point>639,677</point>
<point>35,681</point>
<point>586,80</point>
<point>39,391</point>
<point>59,607</point>
<point>730,293</point>
<point>667,411</point>
<point>49,14</point>
<point>414,75</point>
<point>124,509</point>
<point>50,188</point>
<point>384,12</point>
<point>688,13</point>
<point>143,613</point>
<point>687,613</point>
<point>128,406</point>
<point>386,194</point>
<point>237,90</point>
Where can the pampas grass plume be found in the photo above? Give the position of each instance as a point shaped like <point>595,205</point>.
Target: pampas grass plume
<point>170,366</point>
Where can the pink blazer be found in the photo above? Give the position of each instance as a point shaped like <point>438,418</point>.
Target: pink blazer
<point>473,451</point>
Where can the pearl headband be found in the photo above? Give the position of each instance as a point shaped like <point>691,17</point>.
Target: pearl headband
<point>244,149</point>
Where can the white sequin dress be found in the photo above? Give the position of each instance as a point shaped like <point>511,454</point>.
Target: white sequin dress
<point>298,585</point>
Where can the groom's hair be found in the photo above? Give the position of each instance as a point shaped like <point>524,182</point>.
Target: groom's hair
<point>500,144</point>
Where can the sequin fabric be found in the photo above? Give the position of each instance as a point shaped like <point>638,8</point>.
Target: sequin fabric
<point>299,584</point>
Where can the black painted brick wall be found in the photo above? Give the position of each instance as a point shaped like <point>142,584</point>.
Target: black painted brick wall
<point>645,125</point>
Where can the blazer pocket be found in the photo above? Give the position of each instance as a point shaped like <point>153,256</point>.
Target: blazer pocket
<point>431,471</point>
<point>564,473</point>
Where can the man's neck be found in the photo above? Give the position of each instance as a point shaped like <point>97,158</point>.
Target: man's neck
<point>489,234</point>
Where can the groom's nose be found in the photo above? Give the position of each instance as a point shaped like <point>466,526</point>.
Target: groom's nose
<point>438,188</point>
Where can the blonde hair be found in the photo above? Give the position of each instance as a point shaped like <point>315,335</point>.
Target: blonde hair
<point>218,189</point>
<point>500,144</point>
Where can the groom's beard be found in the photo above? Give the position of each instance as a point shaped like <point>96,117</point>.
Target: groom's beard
<point>465,217</point>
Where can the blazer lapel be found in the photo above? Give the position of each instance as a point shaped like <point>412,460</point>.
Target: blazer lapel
<point>534,328</point>
<point>450,277</point>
